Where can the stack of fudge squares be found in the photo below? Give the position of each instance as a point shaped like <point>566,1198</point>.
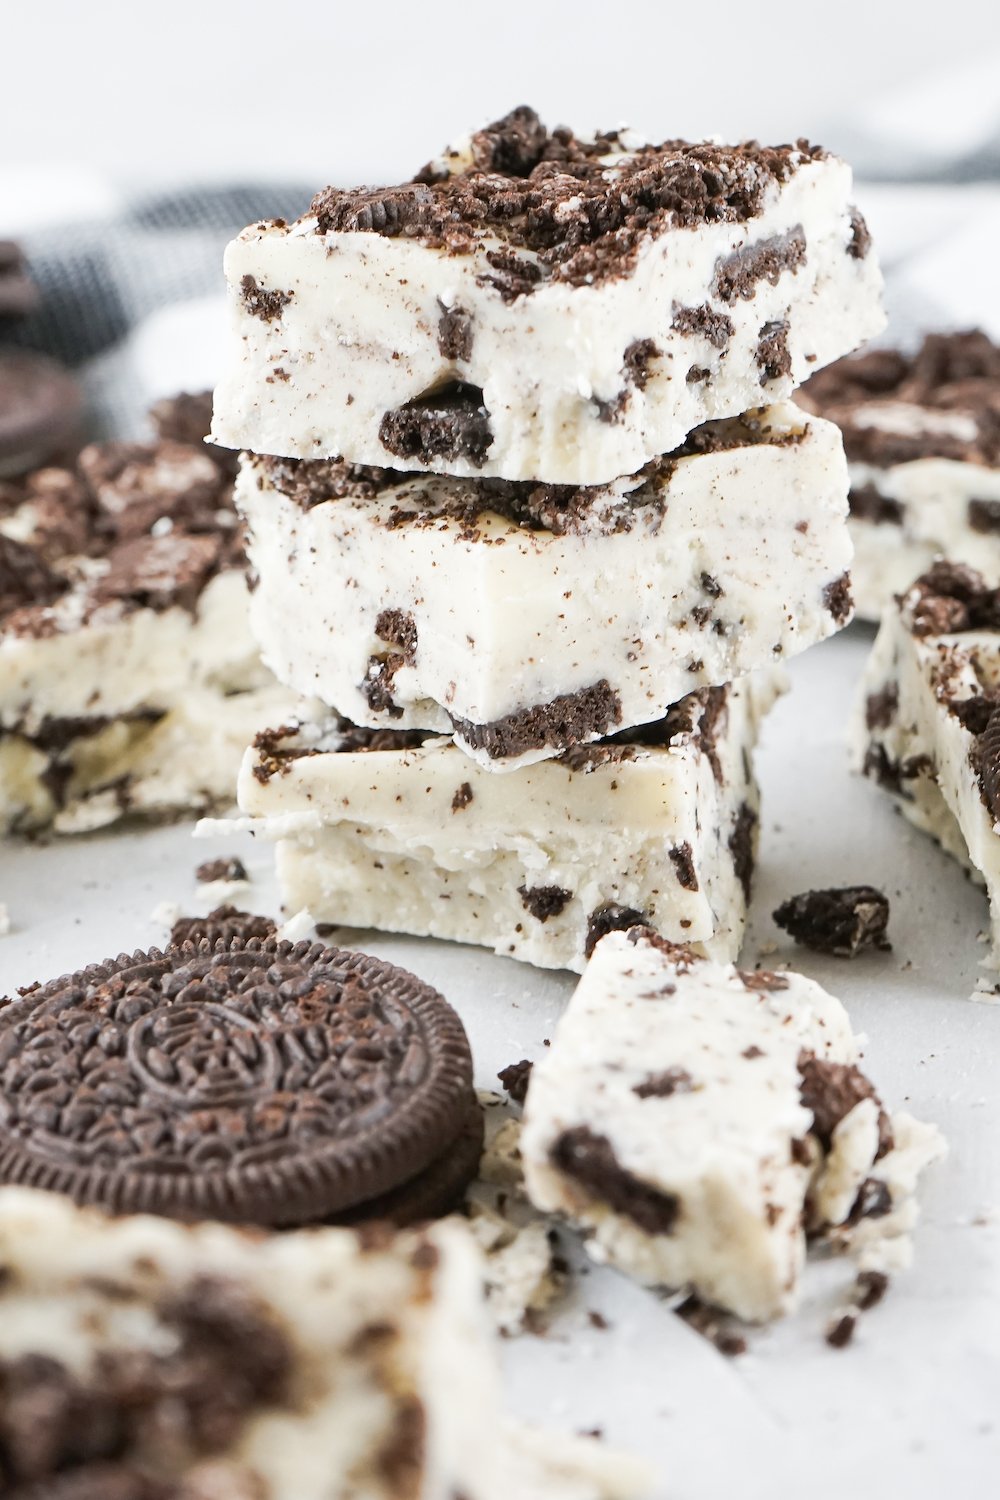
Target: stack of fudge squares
<point>532,524</point>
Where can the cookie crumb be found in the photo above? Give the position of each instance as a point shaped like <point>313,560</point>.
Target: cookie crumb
<point>843,921</point>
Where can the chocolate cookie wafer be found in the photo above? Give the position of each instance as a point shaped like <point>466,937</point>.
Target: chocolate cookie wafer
<point>257,1082</point>
<point>41,411</point>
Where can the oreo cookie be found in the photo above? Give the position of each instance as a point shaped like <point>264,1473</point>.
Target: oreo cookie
<point>41,411</point>
<point>257,1082</point>
<point>18,293</point>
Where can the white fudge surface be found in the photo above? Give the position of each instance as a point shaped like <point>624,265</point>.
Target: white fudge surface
<point>579,305</point>
<point>526,620</point>
<point>344,1366</point>
<point>922,433</point>
<point>128,670</point>
<point>694,1121</point>
<point>927,727</point>
<point>417,838</point>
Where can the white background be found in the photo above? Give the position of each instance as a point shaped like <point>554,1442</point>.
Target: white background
<point>352,90</point>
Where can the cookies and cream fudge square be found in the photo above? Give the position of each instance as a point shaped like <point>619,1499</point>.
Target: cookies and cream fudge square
<point>696,1121</point>
<point>544,305</point>
<point>142,1359</point>
<point>527,618</point>
<point>126,656</point>
<point>399,830</point>
<point>928,726</point>
<point>922,434</point>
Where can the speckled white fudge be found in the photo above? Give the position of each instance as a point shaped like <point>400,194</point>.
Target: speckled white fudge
<point>527,619</point>
<point>141,1359</point>
<point>928,727</point>
<point>128,671</point>
<point>695,1121</point>
<point>922,434</point>
<point>537,305</point>
<point>402,832</point>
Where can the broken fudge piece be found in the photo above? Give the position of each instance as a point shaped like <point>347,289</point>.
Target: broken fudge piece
<point>928,724</point>
<point>399,830</point>
<point>128,674</point>
<point>922,434</point>
<point>527,618</point>
<point>844,921</point>
<point>148,1360</point>
<point>696,1122</point>
<point>542,305</point>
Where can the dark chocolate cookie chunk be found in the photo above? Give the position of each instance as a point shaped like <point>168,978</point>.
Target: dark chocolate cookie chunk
<point>842,921</point>
<point>261,1082</point>
<point>41,410</point>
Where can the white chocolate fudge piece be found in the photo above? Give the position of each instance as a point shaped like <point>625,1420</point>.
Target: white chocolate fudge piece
<point>525,619</point>
<point>695,1121</point>
<point>402,832</point>
<point>928,728</point>
<point>922,434</point>
<point>541,306</point>
<point>127,665</point>
<point>142,1359</point>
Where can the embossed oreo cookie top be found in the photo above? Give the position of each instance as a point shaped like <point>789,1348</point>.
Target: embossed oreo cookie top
<point>582,206</point>
<point>263,1082</point>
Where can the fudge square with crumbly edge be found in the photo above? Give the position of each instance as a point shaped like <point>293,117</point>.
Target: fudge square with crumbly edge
<point>526,618</point>
<point>147,1360</point>
<point>697,1122</point>
<point>922,433</point>
<point>540,305</point>
<point>400,831</point>
<point>129,679</point>
<point>928,724</point>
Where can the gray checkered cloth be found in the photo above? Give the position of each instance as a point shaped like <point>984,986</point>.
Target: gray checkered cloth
<point>101,279</point>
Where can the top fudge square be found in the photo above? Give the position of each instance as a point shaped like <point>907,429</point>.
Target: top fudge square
<point>539,305</point>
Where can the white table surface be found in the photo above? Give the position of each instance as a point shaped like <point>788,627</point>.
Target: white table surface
<point>911,1409</point>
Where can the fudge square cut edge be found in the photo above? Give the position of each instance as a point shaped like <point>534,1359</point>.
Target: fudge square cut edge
<point>927,724</point>
<point>400,831</point>
<point>696,1121</point>
<point>526,618</point>
<point>540,306</point>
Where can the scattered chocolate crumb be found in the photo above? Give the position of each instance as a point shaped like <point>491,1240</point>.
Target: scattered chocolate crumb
<point>597,1320</point>
<point>840,1333</point>
<point>843,921</point>
<point>861,241</point>
<point>984,516</point>
<point>462,797</point>
<point>869,1289</point>
<point>712,1324</point>
<point>224,868</point>
<point>515,1079</point>
<point>874,1201</point>
<point>881,707</point>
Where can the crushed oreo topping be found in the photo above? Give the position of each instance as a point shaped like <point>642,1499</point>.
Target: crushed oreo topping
<point>589,1159</point>
<point>663,1085</point>
<point>515,1079</point>
<point>718,1327</point>
<point>266,303</point>
<point>611,918</point>
<point>226,867</point>
<point>544,901</point>
<point>579,209</point>
<point>843,921</point>
<point>225,1357</point>
<point>951,598</point>
<point>830,1090</point>
<point>448,425</point>
<point>563,722</point>
<point>773,357</point>
<point>462,798</point>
